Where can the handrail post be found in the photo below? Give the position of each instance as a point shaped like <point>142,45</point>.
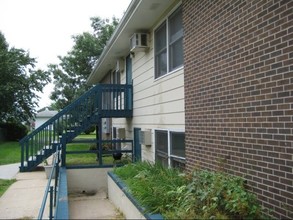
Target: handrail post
<point>56,177</point>
<point>100,145</point>
<point>22,156</point>
<point>63,153</point>
<point>100,95</point>
<point>51,203</point>
<point>26,151</point>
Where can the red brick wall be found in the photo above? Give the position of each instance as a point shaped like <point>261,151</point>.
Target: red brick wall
<point>239,93</point>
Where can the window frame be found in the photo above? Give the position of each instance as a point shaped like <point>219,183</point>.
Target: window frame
<point>169,44</point>
<point>169,155</point>
<point>163,50</point>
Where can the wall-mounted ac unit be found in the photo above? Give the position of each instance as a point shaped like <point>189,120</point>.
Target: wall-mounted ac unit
<point>139,42</point>
<point>145,137</point>
<point>121,133</point>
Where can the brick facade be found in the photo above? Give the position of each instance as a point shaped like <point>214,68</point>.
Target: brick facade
<point>239,94</point>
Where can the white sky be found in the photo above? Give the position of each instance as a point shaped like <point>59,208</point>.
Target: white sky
<point>44,27</point>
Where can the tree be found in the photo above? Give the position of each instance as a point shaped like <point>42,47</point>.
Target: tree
<point>71,73</point>
<point>19,82</point>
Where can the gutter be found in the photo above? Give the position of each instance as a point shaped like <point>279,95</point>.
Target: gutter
<point>131,8</point>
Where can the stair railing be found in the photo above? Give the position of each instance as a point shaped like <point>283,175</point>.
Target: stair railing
<point>39,144</point>
<point>51,189</point>
<point>103,100</point>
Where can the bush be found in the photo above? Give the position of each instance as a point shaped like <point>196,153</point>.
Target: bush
<point>200,195</point>
<point>146,180</point>
<point>14,131</point>
<point>91,129</point>
<point>217,195</point>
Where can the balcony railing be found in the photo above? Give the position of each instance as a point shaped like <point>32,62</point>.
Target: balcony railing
<point>101,101</point>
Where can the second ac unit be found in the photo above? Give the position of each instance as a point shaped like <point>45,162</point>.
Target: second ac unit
<point>121,133</point>
<point>139,42</point>
<point>145,137</point>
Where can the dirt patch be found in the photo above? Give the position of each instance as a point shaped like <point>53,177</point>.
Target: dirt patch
<point>82,193</point>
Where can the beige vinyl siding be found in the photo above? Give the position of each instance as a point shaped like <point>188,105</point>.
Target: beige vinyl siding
<point>157,103</point>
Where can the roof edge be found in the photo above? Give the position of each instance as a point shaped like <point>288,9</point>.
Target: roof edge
<point>131,8</point>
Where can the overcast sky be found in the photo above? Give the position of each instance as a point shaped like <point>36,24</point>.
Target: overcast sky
<point>44,27</point>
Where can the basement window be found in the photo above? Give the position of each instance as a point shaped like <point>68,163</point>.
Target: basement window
<point>170,148</point>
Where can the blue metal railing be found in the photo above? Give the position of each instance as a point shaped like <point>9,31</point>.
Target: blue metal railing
<point>103,100</point>
<point>51,190</point>
<point>116,100</point>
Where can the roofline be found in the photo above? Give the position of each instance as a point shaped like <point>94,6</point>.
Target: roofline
<point>131,8</point>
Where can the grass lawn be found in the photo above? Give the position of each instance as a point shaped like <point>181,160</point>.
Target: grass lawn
<point>86,136</point>
<point>4,184</point>
<point>88,158</point>
<point>9,152</point>
<point>77,159</point>
<point>84,158</point>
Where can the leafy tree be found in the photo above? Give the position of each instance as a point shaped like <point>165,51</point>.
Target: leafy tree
<point>19,82</point>
<point>74,68</point>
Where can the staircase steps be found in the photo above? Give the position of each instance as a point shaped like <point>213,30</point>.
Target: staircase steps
<point>73,120</point>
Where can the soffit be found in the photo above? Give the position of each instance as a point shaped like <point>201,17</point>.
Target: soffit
<point>139,17</point>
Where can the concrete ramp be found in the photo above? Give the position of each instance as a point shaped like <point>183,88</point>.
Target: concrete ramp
<point>88,195</point>
<point>92,206</point>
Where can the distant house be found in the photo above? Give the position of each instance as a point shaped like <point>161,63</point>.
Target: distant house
<point>44,116</point>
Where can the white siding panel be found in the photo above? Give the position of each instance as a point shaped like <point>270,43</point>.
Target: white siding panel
<point>155,98</point>
<point>161,121</point>
<point>157,103</point>
<point>160,108</point>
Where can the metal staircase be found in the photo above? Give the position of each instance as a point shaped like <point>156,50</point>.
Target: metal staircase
<point>101,101</point>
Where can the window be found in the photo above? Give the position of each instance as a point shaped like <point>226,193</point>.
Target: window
<point>161,51</point>
<point>170,148</point>
<point>161,141</point>
<point>177,145</point>
<point>169,44</point>
<point>175,40</point>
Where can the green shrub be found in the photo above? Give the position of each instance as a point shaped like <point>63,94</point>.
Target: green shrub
<point>217,195</point>
<point>14,131</point>
<point>200,195</point>
<point>91,129</point>
<point>150,184</point>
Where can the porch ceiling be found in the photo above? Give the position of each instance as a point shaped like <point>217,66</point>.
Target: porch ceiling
<point>140,16</point>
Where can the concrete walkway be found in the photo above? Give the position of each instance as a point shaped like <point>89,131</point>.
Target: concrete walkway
<point>23,198</point>
<point>9,171</point>
<point>96,206</point>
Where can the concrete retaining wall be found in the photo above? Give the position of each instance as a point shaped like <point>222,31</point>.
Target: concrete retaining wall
<point>84,180</point>
<point>119,196</point>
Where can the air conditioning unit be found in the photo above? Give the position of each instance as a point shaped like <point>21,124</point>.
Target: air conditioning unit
<point>139,42</point>
<point>121,133</point>
<point>145,137</point>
